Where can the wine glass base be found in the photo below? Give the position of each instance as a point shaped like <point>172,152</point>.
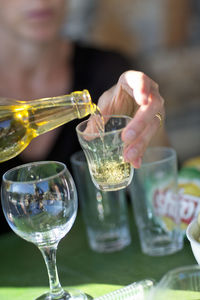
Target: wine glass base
<point>71,294</point>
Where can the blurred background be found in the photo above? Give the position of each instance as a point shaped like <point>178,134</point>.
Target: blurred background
<point>164,37</point>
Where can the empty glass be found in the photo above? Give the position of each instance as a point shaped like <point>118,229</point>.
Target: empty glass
<point>154,194</point>
<point>104,148</point>
<point>105,214</point>
<point>39,201</point>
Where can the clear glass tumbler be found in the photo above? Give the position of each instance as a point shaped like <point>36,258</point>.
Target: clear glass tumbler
<point>155,199</point>
<point>104,152</point>
<point>105,214</point>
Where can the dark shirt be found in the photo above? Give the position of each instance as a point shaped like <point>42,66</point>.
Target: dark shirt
<point>94,70</point>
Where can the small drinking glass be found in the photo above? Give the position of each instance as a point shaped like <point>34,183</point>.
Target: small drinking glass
<point>103,148</point>
<point>39,201</point>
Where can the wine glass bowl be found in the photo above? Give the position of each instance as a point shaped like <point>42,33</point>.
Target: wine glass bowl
<point>40,203</point>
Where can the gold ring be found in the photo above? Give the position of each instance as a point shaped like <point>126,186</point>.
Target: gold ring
<point>160,118</point>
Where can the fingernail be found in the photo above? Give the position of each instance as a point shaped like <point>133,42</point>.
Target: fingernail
<point>131,154</point>
<point>129,135</point>
<point>144,100</point>
<point>137,163</point>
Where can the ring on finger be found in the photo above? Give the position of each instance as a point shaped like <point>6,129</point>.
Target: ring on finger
<point>160,118</point>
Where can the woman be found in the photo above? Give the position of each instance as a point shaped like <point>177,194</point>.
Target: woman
<point>36,62</point>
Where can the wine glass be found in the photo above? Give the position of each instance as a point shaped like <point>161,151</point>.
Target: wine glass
<point>39,201</point>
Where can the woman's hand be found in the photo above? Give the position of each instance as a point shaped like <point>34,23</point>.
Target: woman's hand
<point>136,95</point>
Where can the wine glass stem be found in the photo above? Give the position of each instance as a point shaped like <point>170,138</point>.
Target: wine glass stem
<point>49,254</point>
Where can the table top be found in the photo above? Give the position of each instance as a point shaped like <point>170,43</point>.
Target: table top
<point>23,273</point>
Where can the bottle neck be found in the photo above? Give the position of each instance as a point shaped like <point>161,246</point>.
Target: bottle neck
<point>50,113</point>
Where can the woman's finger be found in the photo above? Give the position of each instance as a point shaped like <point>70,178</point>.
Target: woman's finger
<point>143,117</point>
<point>134,151</point>
<point>116,101</point>
<point>138,85</point>
<point>132,89</point>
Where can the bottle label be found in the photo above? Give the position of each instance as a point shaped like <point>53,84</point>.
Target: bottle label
<point>164,203</point>
<point>175,208</point>
<point>189,191</point>
<point>190,207</point>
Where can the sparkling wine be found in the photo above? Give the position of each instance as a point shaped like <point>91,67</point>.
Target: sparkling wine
<point>112,173</point>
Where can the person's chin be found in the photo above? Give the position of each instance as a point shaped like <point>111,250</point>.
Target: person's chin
<point>41,35</point>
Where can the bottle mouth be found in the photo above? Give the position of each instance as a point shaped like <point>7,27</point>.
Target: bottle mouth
<point>82,97</point>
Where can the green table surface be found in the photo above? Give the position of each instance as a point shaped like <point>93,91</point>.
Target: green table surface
<point>23,273</point>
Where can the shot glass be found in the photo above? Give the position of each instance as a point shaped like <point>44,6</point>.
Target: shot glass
<point>105,214</point>
<point>154,195</point>
<point>103,149</point>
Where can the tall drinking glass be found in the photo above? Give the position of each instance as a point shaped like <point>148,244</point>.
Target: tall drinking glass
<point>154,195</point>
<point>39,201</point>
